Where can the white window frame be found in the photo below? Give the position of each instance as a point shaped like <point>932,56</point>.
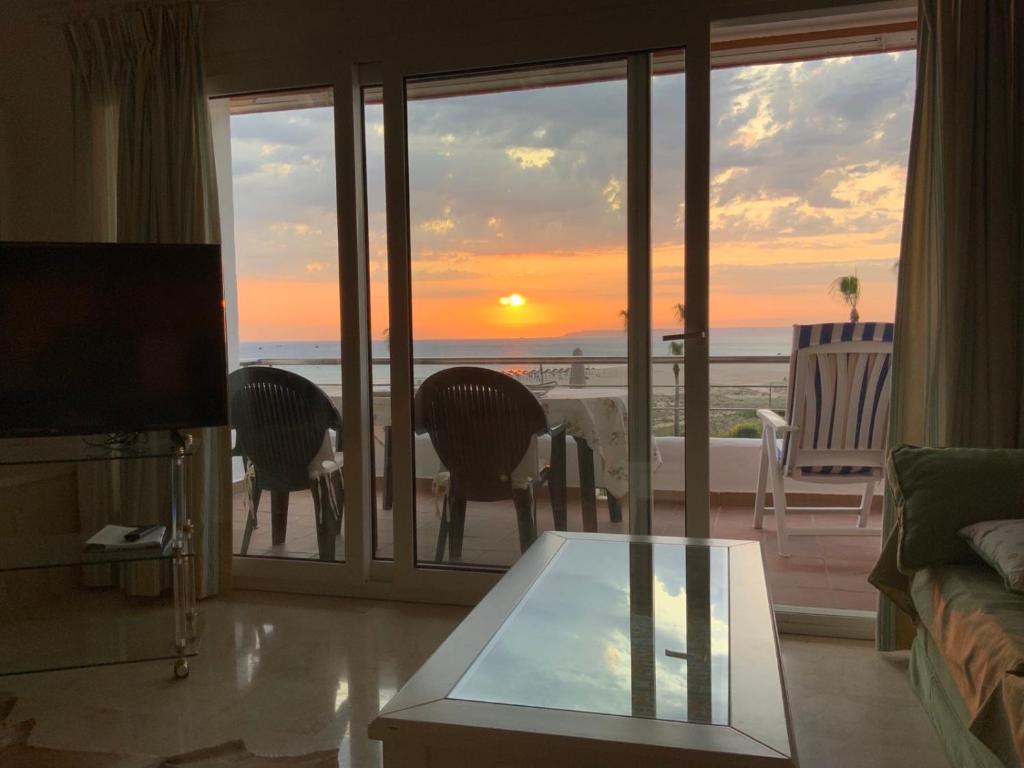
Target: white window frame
<point>709,36</point>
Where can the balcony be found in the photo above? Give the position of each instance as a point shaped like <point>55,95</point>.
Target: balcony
<point>823,572</point>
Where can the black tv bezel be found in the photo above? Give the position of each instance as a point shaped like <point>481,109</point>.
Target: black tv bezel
<point>128,428</point>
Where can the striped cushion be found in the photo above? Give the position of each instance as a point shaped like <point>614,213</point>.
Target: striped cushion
<point>824,471</point>
<point>849,408</point>
<point>844,471</point>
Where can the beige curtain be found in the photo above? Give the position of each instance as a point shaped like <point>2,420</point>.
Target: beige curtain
<point>958,360</point>
<point>144,172</point>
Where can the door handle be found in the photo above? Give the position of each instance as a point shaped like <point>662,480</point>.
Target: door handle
<point>697,335</point>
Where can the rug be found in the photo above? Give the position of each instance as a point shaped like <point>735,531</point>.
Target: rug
<point>235,755</point>
<point>16,752</point>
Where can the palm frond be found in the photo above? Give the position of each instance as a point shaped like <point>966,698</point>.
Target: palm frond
<point>846,288</point>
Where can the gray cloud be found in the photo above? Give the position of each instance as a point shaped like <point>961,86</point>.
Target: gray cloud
<point>822,124</point>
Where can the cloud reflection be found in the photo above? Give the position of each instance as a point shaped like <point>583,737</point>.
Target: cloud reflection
<point>567,645</point>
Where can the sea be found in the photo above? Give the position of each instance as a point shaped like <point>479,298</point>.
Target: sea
<point>724,342</point>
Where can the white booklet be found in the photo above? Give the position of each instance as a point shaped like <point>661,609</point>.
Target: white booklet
<point>112,537</point>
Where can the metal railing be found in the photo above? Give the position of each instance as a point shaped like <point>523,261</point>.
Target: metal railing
<point>519,360</point>
<point>531,369</point>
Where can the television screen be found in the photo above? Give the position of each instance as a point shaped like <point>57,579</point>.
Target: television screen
<point>105,337</point>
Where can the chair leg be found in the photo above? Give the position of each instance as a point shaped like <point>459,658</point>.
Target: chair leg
<point>779,503</point>
<point>247,536</point>
<point>338,506</point>
<point>556,482</point>
<point>388,469</point>
<point>324,516</point>
<point>770,460</point>
<point>253,491</point>
<point>614,509</point>
<point>762,483</point>
<point>865,504</point>
<point>256,496</point>
<point>456,526</point>
<point>523,499</point>
<point>442,531</point>
<point>278,517</point>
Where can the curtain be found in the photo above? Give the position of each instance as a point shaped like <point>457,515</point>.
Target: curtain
<point>958,356</point>
<point>144,172</point>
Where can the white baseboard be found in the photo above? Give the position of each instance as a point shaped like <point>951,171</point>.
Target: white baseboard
<point>797,620</point>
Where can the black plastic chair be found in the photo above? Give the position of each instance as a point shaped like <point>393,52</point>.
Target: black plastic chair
<point>481,424</point>
<point>281,422</point>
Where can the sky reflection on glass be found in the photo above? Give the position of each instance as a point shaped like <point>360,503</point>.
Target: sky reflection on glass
<point>567,644</point>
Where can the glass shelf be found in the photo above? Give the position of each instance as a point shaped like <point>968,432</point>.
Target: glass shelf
<point>87,627</point>
<point>68,550</point>
<point>58,609</point>
<point>59,450</point>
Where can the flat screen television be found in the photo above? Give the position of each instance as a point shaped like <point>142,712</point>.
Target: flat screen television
<point>104,338</point>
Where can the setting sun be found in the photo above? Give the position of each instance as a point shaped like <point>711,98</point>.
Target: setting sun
<point>512,300</point>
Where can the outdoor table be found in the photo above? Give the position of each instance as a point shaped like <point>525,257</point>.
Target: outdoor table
<point>595,417</point>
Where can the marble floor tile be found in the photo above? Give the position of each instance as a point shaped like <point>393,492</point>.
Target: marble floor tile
<point>291,674</point>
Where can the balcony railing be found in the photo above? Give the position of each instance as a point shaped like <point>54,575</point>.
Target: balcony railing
<point>732,405</point>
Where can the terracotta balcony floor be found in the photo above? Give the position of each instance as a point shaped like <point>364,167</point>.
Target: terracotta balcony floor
<point>822,572</point>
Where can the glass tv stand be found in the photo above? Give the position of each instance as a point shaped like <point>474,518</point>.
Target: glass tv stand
<point>63,606</point>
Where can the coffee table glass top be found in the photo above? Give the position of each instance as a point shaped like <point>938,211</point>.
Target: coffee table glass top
<point>635,629</point>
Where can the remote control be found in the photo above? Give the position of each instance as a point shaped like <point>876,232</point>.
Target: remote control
<point>138,533</point>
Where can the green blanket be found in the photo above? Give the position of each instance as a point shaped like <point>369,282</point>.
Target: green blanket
<point>978,627</point>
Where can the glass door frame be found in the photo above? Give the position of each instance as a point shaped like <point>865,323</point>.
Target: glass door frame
<point>360,574</point>
<point>446,583</point>
<point>689,27</point>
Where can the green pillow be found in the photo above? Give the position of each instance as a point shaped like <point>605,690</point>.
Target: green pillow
<point>938,491</point>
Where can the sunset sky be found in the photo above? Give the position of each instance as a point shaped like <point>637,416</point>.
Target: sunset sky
<point>518,204</point>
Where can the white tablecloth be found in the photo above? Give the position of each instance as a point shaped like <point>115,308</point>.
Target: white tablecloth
<point>596,414</point>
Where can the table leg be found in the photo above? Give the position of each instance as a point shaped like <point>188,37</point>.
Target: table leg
<point>614,509</point>
<point>588,492</point>
<point>388,487</point>
<point>556,481</point>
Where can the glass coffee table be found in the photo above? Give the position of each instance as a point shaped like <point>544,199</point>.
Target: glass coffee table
<point>605,650</point>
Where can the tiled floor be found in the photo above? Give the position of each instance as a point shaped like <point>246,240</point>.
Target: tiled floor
<point>290,674</point>
<point>822,572</point>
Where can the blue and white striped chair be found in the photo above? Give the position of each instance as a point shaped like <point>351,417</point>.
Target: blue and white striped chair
<point>837,421</point>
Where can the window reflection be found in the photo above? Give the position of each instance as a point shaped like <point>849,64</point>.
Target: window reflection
<point>633,629</point>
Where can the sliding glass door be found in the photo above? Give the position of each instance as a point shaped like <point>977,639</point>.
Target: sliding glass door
<point>521,214</point>
<point>516,189</point>
<point>283,289</point>
<point>808,173</point>
<point>624,224</point>
<point>531,223</point>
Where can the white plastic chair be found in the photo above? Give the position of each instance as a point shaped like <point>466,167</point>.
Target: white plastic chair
<point>837,421</point>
